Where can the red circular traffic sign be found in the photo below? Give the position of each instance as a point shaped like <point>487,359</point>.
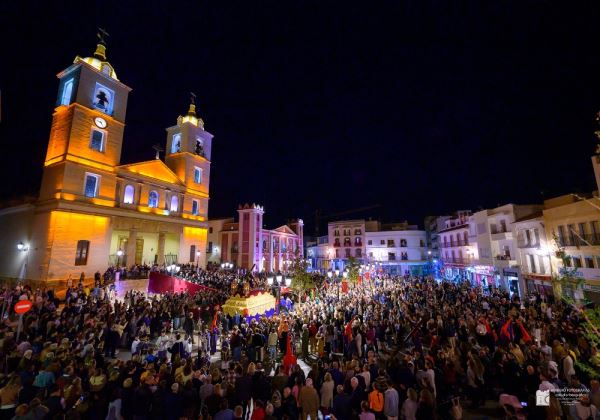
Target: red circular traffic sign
<point>23,306</point>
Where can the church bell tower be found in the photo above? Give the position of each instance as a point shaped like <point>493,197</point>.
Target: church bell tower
<point>188,152</point>
<point>87,130</point>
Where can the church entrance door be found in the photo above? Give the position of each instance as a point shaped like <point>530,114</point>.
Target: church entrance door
<point>139,250</point>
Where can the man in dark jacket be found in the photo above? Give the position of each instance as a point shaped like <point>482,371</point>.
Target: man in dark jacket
<point>357,396</point>
<point>341,404</point>
<point>188,326</point>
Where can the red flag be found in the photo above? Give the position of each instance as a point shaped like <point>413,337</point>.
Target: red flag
<point>348,330</point>
<point>506,331</point>
<point>526,337</point>
<point>214,321</point>
<point>289,360</point>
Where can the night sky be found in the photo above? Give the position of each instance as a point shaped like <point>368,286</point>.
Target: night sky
<point>420,107</point>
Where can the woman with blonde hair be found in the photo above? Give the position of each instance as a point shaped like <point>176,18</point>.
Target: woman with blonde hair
<point>327,393</point>
<point>251,369</point>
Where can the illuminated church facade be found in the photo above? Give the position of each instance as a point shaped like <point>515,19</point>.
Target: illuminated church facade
<point>92,211</point>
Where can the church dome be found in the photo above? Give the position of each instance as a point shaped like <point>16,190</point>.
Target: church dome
<point>98,61</point>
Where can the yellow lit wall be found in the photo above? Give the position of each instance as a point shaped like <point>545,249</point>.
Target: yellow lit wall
<point>193,236</point>
<point>183,165</point>
<point>66,180</point>
<point>64,230</point>
<point>59,132</point>
<point>79,143</point>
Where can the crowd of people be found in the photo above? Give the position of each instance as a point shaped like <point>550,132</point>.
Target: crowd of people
<point>388,348</point>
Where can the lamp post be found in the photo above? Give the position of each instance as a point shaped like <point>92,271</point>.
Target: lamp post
<point>23,248</point>
<point>197,260</point>
<point>119,256</point>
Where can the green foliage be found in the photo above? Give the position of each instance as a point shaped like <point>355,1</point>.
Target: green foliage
<point>567,276</point>
<point>301,278</point>
<point>353,267</point>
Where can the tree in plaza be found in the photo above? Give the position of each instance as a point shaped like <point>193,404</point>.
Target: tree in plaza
<point>302,280</point>
<point>353,267</point>
<point>567,284</point>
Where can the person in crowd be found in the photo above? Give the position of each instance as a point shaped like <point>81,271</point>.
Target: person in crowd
<point>391,347</point>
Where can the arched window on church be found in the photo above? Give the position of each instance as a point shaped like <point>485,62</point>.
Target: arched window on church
<point>67,92</point>
<point>129,194</point>
<point>199,148</point>
<point>176,143</point>
<point>153,199</point>
<point>174,203</point>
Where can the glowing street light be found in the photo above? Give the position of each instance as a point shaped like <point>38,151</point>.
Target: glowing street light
<point>20,246</point>
<point>119,256</point>
<point>279,278</point>
<point>329,274</point>
<point>270,280</point>
<point>288,281</point>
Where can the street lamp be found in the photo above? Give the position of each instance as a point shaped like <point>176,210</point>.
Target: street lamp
<point>288,281</point>
<point>337,273</point>
<point>20,246</point>
<point>345,274</point>
<point>270,280</point>
<point>119,255</point>
<point>197,259</point>
<point>279,278</point>
<point>330,274</point>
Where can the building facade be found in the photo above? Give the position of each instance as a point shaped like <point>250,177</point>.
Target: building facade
<point>433,225</point>
<point>248,245</point>
<point>92,211</point>
<point>347,239</point>
<point>573,223</point>
<point>397,249</point>
<point>456,245</point>
<point>533,253</point>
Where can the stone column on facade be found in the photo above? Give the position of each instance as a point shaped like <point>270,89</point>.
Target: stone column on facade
<point>131,245</point>
<point>161,248</point>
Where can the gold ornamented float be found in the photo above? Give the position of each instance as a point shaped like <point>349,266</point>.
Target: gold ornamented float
<point>250,304</point>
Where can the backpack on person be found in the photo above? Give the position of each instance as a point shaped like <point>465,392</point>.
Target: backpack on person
<point>376,403</point>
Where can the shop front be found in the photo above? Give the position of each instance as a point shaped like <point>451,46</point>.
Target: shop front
<point>538,283</point>
<point>454,273</point>
<point>512,280</point>
<point>484,276</point>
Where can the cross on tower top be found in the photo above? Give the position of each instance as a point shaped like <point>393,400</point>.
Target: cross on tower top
<point>158,149</point>
<point>192,109</point>
<point>102,34</point>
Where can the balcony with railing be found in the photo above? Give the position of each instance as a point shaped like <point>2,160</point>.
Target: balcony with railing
<point>590,239</point>
<point>453,243</point>
<point>501,234</point>
<point>528,243</point>
<point>457,260</point>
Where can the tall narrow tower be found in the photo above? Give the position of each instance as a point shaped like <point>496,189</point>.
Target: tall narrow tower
<point>188,155</point>
<point>87,131</point>
<point>250,235</point>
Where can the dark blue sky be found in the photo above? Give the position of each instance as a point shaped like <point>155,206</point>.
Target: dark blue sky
<point>422,107</point>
